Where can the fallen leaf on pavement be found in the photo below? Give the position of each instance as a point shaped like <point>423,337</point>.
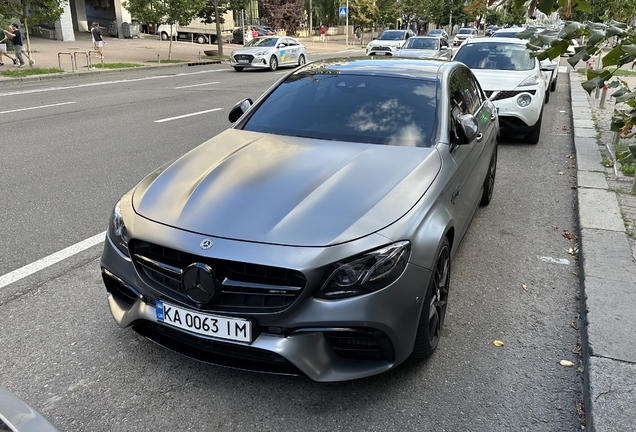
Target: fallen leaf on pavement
<point>565,128</point>
<point>524,286</point>
<point>568,235</point>
<point>73,343</point>
<point>581,368</point>
<point>498,343</point>
<point>573,325</point>
<point>577,349</point>
<point>559,407</point>
<point>560,173</point>
<point>566,363</point>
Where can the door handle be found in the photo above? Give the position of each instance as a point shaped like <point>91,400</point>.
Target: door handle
<point>479,136</point>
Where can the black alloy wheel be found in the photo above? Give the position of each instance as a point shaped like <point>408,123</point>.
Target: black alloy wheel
<point>434,308</point>
<point>489,182</point>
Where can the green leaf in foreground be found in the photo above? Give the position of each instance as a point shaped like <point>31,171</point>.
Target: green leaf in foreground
<point>30,71</point>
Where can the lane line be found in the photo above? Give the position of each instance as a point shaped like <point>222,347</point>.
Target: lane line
<point>47,89</point>
<point>196,85</point>
<point>188,115</point>
<point>48,261</point>
<point>37,107</point>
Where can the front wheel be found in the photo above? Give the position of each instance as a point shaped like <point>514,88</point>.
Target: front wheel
<point>201,39</point>
<point>273,63</point>
<point>164,36</point>
<point>553,86</point>
<point>301,60</point>
<point>533,137</point>
<point>431,322</point>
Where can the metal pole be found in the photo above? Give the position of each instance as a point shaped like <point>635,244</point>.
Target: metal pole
<point>243,25</point>
<point>599,65</point>
<point>603,96</point>
<point>347,26</point>
<point>311,22</point>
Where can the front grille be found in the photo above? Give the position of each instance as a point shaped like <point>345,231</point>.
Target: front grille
<point>245,287</point>
<point>361,344</point>
<point>507,94</point>
<point>247,57</point>
<point>381,48</point>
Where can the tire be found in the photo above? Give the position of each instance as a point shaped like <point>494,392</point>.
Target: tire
<point>547,97</point>
<point>238,68</point>
<point>489,181</point>
<point>164,36</point>
<point>553,86</point>
<point>273,63</point>
<point>201,39</point>
<point>434,305</point>
<point>301,60</point>
<point>533,137</point>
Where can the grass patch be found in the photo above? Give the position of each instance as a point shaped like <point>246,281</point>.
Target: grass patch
<point>606,161</point>
<point>620,72</point>
<point>626,169</point>
<point>98,65</point>
<point>168,61</point>
<point>22,72</point>
<point>630,225</point>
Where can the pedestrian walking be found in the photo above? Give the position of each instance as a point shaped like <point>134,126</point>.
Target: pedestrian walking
<point>98,38</point>
<point>18,44</point>
<point>248,34</point>
<point>3,52</point>
<point>254,33</point>
<point>323,31</point>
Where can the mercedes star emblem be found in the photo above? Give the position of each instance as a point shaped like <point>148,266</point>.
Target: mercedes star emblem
<point>199,284</point>
<point>206,244</point>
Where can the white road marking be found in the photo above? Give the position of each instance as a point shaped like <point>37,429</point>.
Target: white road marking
<point>41,90</point>
<point>188,115</point>
<point>196,85</point>
<point>37,107</point>
<point>563,69</point>
<point>48,261</point>
<point>280,73</point>
<point>554,260</point>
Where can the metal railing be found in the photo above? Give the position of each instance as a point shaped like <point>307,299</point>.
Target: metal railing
<point>59,59</point>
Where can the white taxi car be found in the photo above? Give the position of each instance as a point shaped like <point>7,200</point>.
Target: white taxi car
<point>269,52</point>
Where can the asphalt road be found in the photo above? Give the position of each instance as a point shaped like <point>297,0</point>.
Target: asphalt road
<point>64,166</point>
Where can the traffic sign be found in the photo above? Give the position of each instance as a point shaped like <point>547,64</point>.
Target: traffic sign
<point>343,11</point>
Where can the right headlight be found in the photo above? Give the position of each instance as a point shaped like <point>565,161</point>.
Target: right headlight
<point>530,81</point>
<point>117,230</point>
<point>367,273</point>
<point>524,100</point>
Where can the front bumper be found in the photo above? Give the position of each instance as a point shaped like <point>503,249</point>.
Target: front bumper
<point>253,62</point>
<point>521,120</point>
<point>381,50</point>
<point>297,340</point>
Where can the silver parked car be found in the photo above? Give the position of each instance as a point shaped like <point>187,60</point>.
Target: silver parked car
<point>269,52</point>
<point>425,47</point>
<point>314,236</point>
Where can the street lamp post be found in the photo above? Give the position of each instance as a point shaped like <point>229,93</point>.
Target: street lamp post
<point>347,26</point>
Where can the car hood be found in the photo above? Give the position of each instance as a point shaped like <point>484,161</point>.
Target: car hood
<point>463,36</point>
<point>251,50</point>
<point>283,190</point>
<point>391,43</point>
<point>494,80</point>
<point>418,53</point>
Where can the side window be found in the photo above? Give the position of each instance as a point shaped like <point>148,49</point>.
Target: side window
<point>468,91</point>
<point>474,90</point>
<point>459,103</point>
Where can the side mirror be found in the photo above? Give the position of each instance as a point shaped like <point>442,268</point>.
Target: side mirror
<point>281,45</point>
<point>373,39</point>
<point>548,67</point>
<point>239,109</point>
<point>444,48</point>
<point>468,128</point>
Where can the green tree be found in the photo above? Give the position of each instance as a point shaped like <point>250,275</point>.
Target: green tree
<point>363,13</point>
<point>169,11</point>
<point>213,12</point>
<point>32,12</point>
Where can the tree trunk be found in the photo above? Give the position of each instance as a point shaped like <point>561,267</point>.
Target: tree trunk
<point>219,39</point>
<point>26,34</point>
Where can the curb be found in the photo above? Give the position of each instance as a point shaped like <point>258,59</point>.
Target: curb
<point>608,283</point>
<point>99,71</point>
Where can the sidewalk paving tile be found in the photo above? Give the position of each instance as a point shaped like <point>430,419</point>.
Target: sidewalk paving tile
<point>611,323</point>
<point>584,132</point>
<point>588,159</point>
<point>612,392</point>
<point>599,209</point>
<point>583,123</point>
<point>606,254</point>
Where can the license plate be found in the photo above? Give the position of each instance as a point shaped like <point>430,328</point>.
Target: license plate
<point>243,61</point>
<point>204,324</point>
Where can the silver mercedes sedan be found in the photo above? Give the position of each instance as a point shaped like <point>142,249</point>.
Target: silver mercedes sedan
<point>314,236</point>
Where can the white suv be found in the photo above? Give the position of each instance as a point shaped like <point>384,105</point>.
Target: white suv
<point>464,35</point>
<point>512,79</point>
<point>389,42</point>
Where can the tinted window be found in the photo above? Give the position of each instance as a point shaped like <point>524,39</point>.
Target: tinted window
<point>505,34</point>
<point>262,42</point>
<point>495,55</point>
<point>354,108</point>
<point>422,43</point>
<point>392,35</point>
<point>465,31</point>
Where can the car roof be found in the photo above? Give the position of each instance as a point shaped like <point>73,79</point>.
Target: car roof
<point>390,67</point>
<point>424,37</point>
<point>498,40</point>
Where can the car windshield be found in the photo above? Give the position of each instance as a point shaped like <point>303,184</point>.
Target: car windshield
<point>262,42</point>
<point>495,55</point>
<point>353,108</point>
<point>435,32</point>
<point>506,35</point>
<point>391,35</point>
<point>465,31</point>
<point>422,43</point>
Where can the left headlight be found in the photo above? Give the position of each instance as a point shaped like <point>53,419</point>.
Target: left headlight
<point>371,272</point>
<point>117,230</point>
<point>530,81</point>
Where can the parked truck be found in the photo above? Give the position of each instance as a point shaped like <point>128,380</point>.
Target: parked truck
<point>194,32</point>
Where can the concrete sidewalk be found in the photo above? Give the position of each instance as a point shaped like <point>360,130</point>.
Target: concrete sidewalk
<point>608,271</point>
<point>145,51</point>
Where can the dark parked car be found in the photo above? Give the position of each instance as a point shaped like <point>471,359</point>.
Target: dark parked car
<point>315,236</point>
<point>237,34</point>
